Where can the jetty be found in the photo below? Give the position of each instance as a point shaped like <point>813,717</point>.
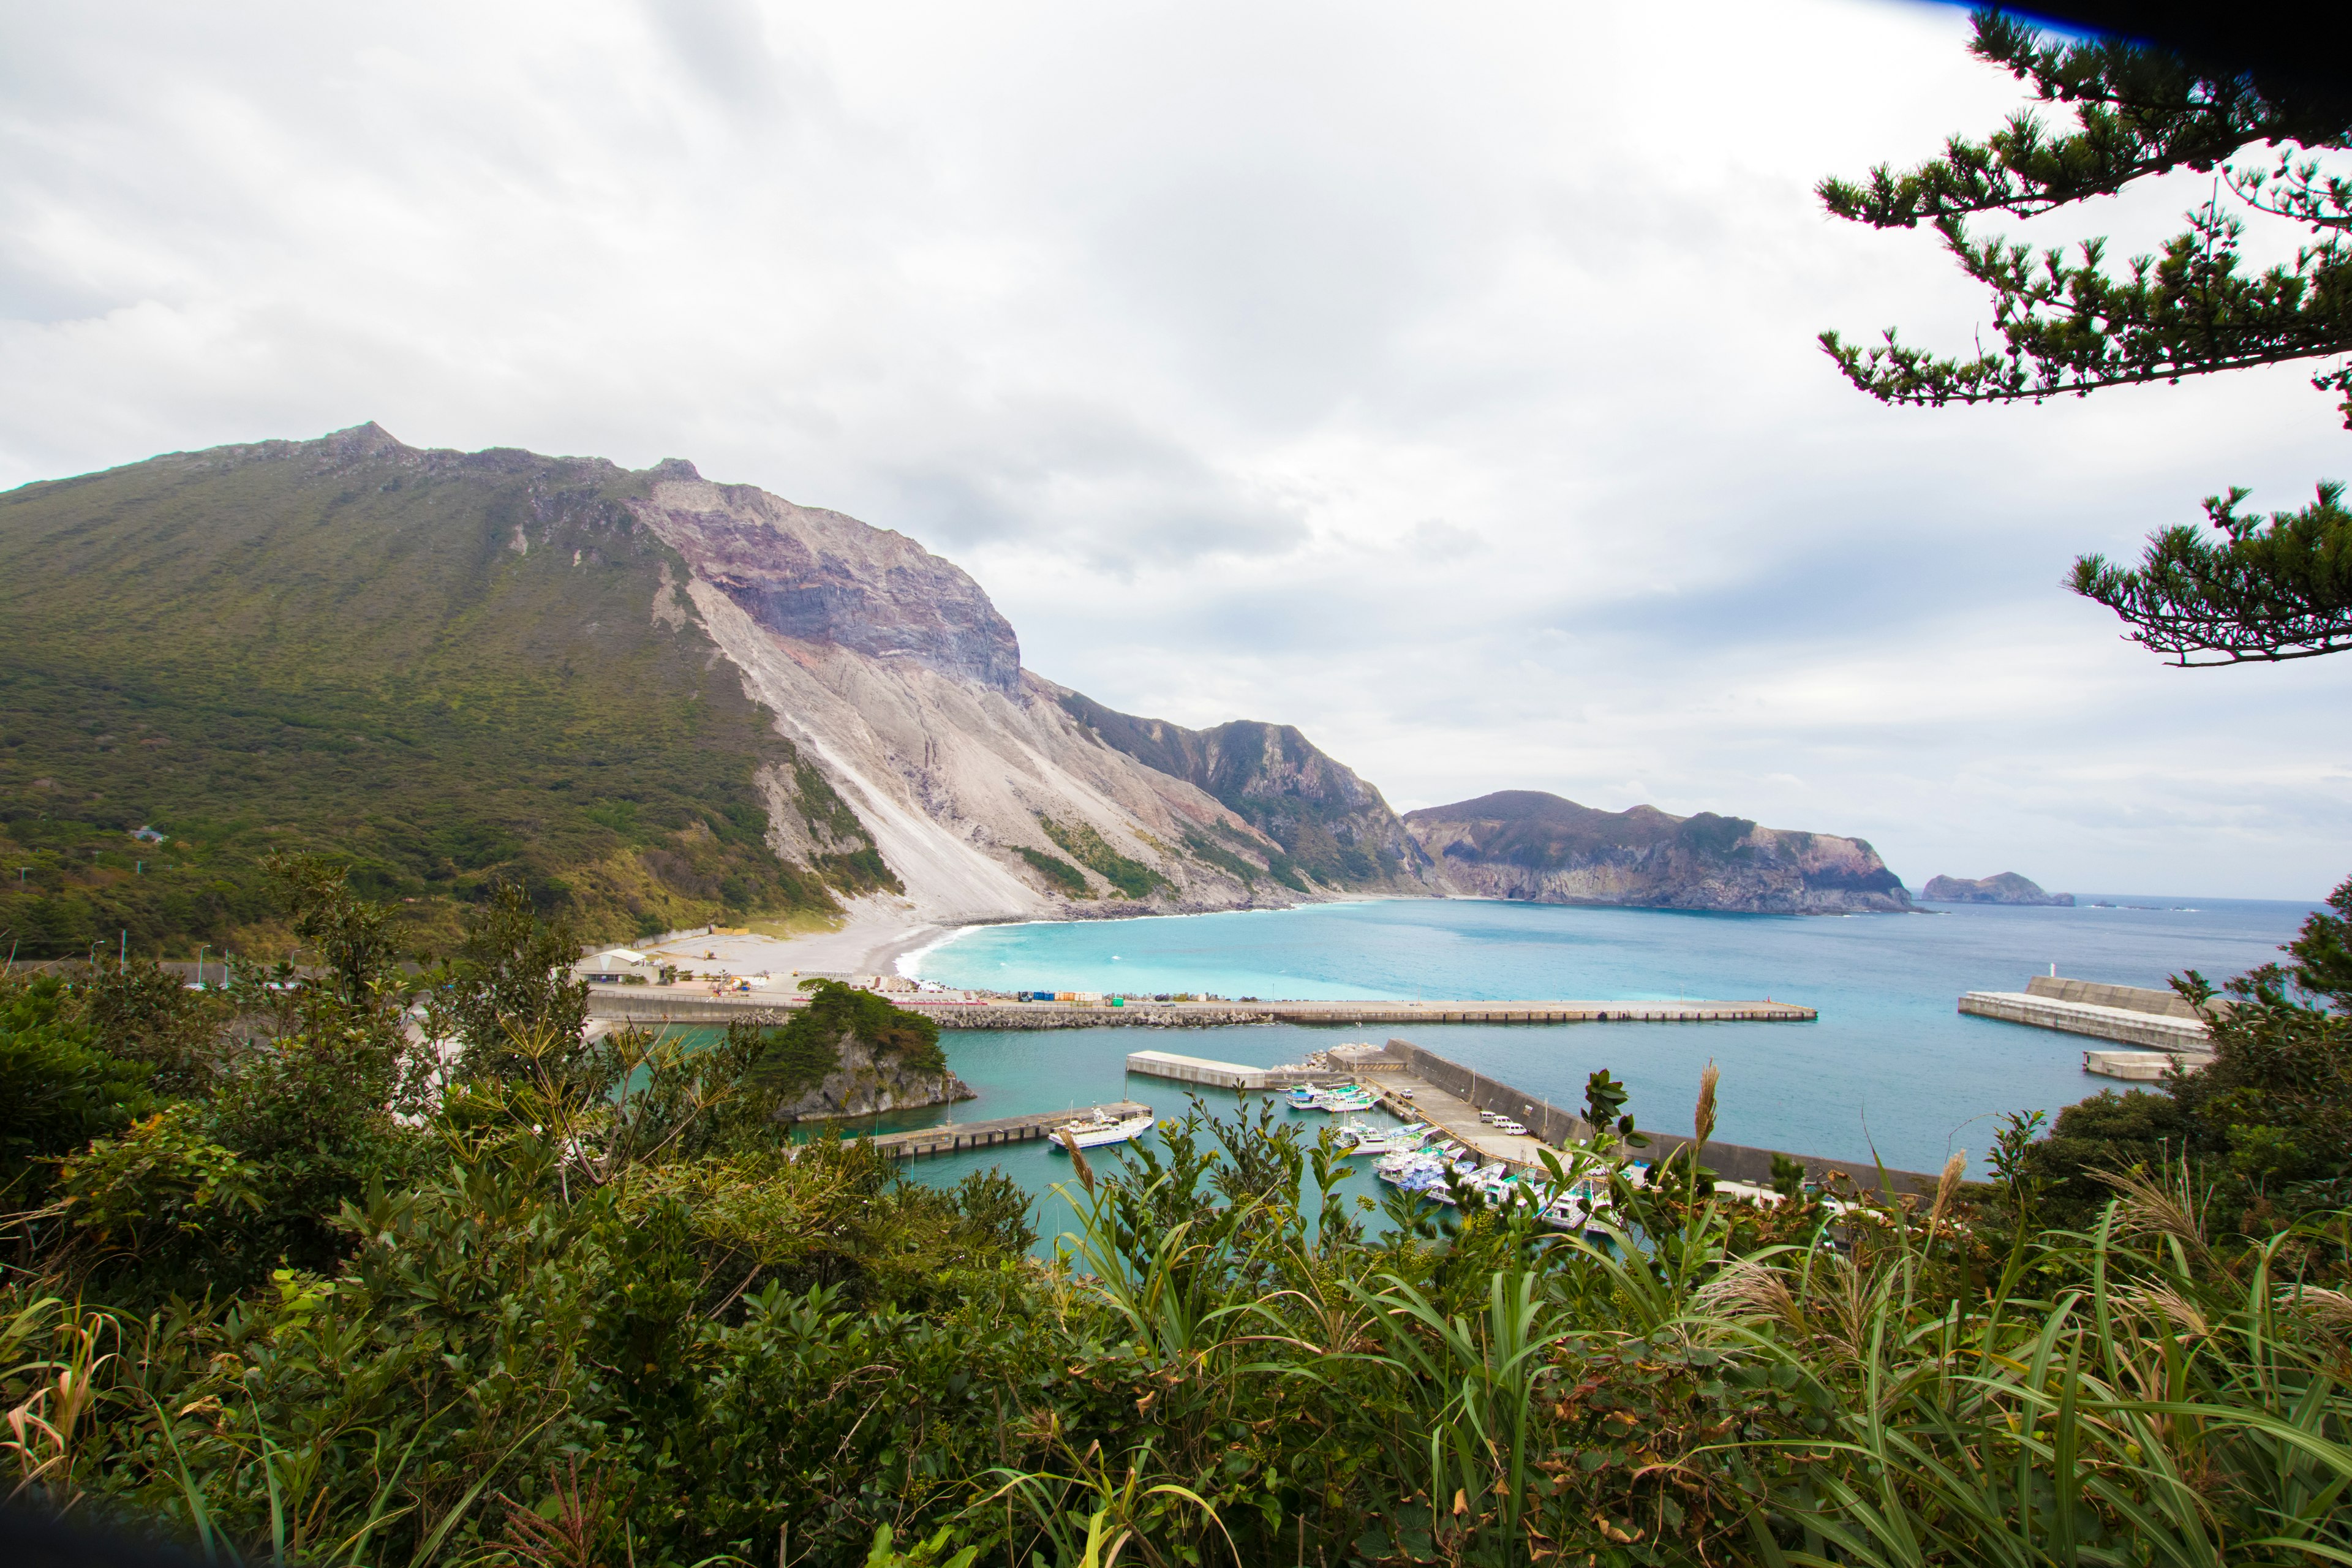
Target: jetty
<point>680,1004</point>
<point>2162,1024</point>
<point>950,1136</point>
<point>1227,1075</point>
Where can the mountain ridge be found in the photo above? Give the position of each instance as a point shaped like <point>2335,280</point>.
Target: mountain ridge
<point>655,700</point>
<point>1541,847</point>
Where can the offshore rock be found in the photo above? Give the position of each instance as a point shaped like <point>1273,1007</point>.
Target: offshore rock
<point>1526,844</point>
<point>2007,888</point>
<point>867,1083</point>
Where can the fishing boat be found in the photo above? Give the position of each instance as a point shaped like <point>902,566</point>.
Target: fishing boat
<point>1337,1098</point>
<point>1355,1138</point>
<point>1583,1204</point>
<point>1398,1170</point>
<point>1100,1129</point>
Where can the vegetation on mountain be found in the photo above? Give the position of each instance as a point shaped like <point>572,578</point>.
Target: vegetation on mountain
<point>1064,876</point>
<point>1132,878</point>
<point>2255,589</point>
<point>454,671</point>
<point>365,1297</point>
<point>1330,825</point>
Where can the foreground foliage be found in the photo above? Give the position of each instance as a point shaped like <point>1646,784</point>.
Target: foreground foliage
<point>343,1295</point>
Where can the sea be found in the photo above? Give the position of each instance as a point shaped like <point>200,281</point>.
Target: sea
<point>1891,1072</point>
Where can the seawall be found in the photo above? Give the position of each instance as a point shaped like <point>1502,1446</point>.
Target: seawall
<point>646,1004</point>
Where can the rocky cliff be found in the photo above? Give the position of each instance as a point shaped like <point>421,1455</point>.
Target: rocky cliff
<point>1525,844</point>
<point>1330,825</point>
<point>2007,888</point>
<point>888,668</point>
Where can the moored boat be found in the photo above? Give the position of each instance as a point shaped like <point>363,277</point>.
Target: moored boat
<point>1100,1129</point>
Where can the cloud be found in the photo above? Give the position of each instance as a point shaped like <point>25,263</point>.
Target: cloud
<point>1442,381</point>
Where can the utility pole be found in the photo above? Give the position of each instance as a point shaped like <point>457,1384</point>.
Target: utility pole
<point>123,963</point>
<point>202,948</point>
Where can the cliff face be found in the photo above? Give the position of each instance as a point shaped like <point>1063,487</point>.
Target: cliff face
<point>1524,844</point>
<point>2007,888</point>
<point>889,669</point>
<point>1330,825</point>
<point>870,1080</point>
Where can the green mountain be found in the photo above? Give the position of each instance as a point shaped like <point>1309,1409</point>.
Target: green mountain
<point>449,668</point>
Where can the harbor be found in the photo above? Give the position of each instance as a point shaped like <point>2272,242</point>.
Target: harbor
<point>1418,1085</point>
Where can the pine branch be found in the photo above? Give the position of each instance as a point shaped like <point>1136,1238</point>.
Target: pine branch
<point>2068,325</point>
<point>2268,591</point>
<point>2138,111</point>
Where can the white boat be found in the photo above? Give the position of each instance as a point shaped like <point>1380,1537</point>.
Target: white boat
<point>1398,1170</point>
<point>1097,1130</point>
<point>1348,1097</point>
<point>1355,1138</point>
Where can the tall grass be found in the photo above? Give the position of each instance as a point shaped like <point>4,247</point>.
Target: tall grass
<point>1223,1371</point>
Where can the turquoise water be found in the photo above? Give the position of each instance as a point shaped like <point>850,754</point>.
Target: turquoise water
<point>1890,1065</point>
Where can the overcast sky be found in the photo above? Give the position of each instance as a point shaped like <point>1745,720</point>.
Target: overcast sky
<point>1438,378</point>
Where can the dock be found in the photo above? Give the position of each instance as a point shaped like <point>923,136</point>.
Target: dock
<point>950,1136</point>
<point>683,1005</point>
<point>1226,1075</point>
<point>2160,1023</point>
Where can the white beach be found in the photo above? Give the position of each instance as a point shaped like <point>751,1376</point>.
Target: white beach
<point>877,931</point>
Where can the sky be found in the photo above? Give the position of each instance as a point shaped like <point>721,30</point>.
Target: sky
<point>1440,379</point>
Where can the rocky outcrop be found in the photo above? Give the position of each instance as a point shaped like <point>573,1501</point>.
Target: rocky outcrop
<point>870,1079</point>
<point>1525,844</point>
<point>2008,888</point>
<point>817,577</point>
<point>1331,825</point>
<point>887,667</point>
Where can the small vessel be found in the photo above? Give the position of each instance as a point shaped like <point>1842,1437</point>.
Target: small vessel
<point>1337,1098</point>
<point>1398,1170</point>
<point>1100,1129</point>
<point>1356,1138</point>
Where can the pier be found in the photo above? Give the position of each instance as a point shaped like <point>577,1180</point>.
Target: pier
<point>950,1136</point>
<point>1226,1075</point>
<point>2160,1022</point>
<point>651,1004</point>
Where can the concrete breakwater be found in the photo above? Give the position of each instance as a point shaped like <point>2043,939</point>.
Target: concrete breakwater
<point>648,1005</point>
<point>2155,1021</point>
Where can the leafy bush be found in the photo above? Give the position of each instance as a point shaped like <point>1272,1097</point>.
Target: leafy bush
<point>583,1306</point>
